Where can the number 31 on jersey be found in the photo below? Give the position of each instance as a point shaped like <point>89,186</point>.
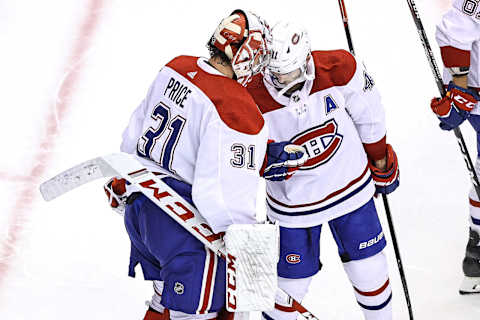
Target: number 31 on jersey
<point>171,128</point>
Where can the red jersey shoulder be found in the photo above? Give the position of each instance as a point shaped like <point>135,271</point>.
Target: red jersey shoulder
<point>332,68</point>
<point>261,95</point>
<point>232,101</point>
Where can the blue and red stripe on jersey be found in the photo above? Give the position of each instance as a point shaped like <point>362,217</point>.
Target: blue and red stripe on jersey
<point>347,194</point>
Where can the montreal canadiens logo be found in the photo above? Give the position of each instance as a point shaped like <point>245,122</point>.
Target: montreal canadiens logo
<point>320,142</point>
<point>293,258</point>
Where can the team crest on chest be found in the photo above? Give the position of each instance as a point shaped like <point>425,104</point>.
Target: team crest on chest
<point>320,142</point>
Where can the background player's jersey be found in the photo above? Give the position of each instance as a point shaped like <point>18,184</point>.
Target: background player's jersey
<point>458,35</point>
<point>331,117</point>
<point>205,129</point>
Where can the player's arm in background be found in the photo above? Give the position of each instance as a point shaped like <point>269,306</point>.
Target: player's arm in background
<point>363,103</point>
<point>230,155</point>
<point>456,34</point>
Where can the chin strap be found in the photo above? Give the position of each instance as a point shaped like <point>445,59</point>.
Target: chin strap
<point>291,85</point>
<point>307,75</point>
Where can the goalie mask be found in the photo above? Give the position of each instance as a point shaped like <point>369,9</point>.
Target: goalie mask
<point>244,38</point>
<point>290,54</point>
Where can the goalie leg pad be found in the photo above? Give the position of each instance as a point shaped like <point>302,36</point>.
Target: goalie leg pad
<point>252,256</point>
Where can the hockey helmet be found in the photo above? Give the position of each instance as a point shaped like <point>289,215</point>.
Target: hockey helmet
<point>290,54</point>
<point>244,38</point>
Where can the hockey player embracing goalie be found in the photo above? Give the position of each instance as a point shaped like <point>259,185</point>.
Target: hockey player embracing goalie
<point>327,102</point>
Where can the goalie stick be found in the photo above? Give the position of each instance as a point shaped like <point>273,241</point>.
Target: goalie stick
<point>151,185</point>
<point>343,12</point>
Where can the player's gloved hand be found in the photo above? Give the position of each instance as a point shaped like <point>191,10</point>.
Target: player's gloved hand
<point>282,159</point>
<point>387,179</point>
<point>117,193</point>
<point>455,107</point>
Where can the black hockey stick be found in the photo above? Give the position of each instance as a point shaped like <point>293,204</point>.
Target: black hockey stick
<point>397,256</point>
<point>441,88</point>
<point>343,12</point>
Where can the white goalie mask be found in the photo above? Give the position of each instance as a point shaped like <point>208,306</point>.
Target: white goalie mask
<point>290,53</point>
<point>244,38</point>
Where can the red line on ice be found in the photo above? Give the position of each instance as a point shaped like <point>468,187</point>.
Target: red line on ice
<point>22,204</point>
<point>5,176</point>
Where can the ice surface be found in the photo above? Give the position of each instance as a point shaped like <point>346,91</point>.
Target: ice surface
<point>73,71</point>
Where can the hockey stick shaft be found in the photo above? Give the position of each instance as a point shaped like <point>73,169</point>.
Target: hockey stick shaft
<point>125,165</point>
<point>343,11</point>
<point>441,89</point>
<point>397,255</point>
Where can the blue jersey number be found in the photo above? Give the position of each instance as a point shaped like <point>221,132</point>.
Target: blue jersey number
<point>146,144</point>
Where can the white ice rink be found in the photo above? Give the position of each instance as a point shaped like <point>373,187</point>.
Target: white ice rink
<point>71,72</point>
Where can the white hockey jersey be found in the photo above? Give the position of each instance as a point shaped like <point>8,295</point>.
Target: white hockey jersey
<point>205,129</point>
<point>331,117</point>
<point>458,35</point>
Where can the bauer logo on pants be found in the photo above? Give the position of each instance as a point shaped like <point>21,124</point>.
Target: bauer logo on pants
<point>293,258</point>
<point>320,142</point>
<point>370,242</point>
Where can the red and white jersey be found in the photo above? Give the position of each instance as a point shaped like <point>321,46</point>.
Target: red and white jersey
<point>205,129</point>
<point>331,116</point>
<point>458,35</point>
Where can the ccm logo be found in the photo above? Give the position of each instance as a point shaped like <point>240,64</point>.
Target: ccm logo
<point>174,204</point>
<point>293,258</point>
<point>464,101</point>
<point>231,283</point>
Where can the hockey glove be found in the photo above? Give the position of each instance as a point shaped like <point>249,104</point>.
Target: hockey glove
<point>455,107</point>
<point>386,180</point>
<point>282,159</point>
<point>117,191</point>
